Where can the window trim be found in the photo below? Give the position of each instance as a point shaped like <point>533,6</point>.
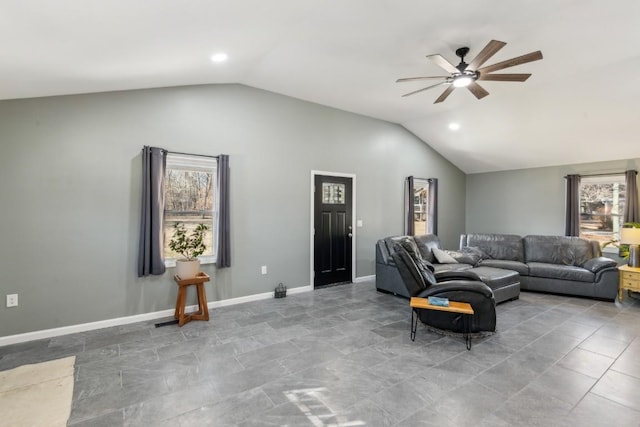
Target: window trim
<point>204,163</point>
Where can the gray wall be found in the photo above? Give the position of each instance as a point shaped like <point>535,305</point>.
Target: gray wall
<point>526,201</point>
<point>69,185</point>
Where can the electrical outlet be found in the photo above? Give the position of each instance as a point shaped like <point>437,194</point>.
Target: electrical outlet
<point>12,300</point>
<point>263,270</point>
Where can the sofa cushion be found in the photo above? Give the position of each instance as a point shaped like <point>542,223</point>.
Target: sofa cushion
<point>443,257</point>
<point>560,272</point>
<point>496,246</point>
<point>426,243</point>
<point>518,266</point>
<point>468,255</point>
<point>494,277</point>
<point>562,250</point>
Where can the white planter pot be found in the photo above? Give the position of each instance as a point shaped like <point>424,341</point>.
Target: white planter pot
<point>187,269</point>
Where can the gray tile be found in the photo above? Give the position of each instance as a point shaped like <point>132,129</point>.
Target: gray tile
<point>111,419</point>
<point>563,384</point>
<point>604,345</point>
<point>468,404</point>
<point>230,411</point>
<point>401,399</point>
<point>598,411</point>
<point>159,408</point>
<point>620,388</point>
<point>514,373</point>
<point>586,362</point>
<point>268,353</point>
<point>554,345</point>
<point>628,362</point>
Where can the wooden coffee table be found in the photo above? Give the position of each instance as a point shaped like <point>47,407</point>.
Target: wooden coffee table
<point>454,307</point>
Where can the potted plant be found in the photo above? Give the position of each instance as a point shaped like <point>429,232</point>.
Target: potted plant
<point>189,246</point>
<point>623,249</point>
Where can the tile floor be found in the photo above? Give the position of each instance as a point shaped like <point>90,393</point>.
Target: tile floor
<point>342,356</point>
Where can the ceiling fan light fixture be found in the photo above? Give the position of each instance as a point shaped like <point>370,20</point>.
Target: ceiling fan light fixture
<point>462,81</point>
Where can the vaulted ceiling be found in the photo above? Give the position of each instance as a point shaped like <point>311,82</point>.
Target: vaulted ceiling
<point>580,105</point>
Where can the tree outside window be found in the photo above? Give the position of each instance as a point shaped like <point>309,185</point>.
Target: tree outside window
<point>601,205</point>
<point>190,198</point>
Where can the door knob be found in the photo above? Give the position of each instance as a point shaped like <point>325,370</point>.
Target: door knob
<point>350,234</point>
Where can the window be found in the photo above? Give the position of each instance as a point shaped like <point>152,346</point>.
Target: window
<point>190,198</point>
<point>420,206</point>
<point>602,201</point>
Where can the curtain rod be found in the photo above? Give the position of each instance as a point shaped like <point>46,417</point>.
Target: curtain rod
<point>601,174</point>
<point>191,154</point>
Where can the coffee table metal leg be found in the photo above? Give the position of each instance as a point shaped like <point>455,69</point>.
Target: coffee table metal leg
<point>414,324</point>
<point>467,330</point>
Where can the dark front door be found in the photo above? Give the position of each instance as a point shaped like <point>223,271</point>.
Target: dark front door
<point>333,230</point>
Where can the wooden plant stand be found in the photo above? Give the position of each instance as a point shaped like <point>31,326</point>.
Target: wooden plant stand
<point>183,284</point>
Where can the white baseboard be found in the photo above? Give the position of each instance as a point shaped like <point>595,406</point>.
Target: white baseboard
<point>119,321</point>
<point>364,278</point>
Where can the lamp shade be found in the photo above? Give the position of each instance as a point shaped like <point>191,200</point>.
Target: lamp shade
<point>630,236</point>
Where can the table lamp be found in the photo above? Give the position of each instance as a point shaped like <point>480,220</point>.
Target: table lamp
<point>631,237</point>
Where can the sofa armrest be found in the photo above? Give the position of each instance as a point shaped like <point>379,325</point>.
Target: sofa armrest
<point>596,264</point>
<point>448,275</point>
<point>468,286</point>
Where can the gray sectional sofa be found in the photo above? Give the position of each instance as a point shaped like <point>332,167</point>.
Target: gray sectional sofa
<point>504,284</point>
<point>554,264</point>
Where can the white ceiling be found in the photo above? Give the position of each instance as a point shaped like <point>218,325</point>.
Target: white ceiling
<point>579,106</point>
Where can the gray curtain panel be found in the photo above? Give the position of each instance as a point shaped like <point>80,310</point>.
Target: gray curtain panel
<point>432,221</point>
<point>224,228</point>
<point>409,226</point>
<point>151,244</point>
<point>572,212</point>
<point>631,206</point>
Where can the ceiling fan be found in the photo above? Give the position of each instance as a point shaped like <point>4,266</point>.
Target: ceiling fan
<point>467,75</point>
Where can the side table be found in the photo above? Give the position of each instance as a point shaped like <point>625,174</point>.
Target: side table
<point>629,279</point>
<point>454,307</point>
<point>183,284</point>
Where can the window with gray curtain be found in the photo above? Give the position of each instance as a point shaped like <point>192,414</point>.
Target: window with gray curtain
<point>151,241</point>
<point>421,206</point>
<point>151,256</point>
<point>572,212</point>
<point>632,207</point>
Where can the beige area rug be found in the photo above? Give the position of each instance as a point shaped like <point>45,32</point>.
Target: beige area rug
<point>38,394</point>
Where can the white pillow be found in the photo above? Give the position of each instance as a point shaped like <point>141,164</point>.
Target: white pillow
<point>443,257</point>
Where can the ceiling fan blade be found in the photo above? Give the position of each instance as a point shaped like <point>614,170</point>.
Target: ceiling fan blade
<point>411,79</point>
<point>445,94</point>
<point>424,88</point>
<point>489,50</point>
<point>443,63</point>
<point>529,57</point>
<point>477,90</point>
<point>504,77</point>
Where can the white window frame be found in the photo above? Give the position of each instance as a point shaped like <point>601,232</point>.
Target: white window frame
<point>605,179</point>
<point>208,164</point>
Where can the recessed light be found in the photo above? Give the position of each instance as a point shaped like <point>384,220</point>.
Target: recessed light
<point>454,126</point>
<point>219,57</point>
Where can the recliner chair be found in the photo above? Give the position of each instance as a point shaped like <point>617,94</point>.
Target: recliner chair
<point>419,280</point>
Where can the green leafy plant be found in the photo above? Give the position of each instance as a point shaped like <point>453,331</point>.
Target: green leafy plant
<point>190,246</point>
<point>623,250</point>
